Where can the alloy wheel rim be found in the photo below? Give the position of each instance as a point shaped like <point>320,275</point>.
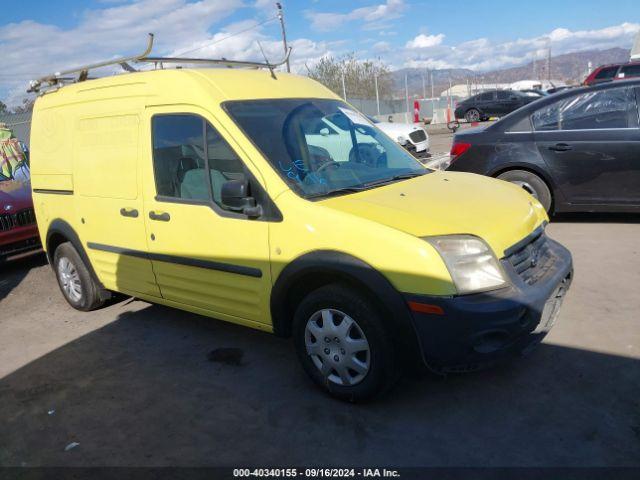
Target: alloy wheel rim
<point>527,187</point>
<point>338,347</point>
<point>69,279</point>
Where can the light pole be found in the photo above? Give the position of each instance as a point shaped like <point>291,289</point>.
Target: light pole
<point>284,33</point>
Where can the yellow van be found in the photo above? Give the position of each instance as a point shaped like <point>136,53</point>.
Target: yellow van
<point>267,201</point>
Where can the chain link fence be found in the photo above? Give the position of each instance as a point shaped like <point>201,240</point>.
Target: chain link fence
<point>20,124</point>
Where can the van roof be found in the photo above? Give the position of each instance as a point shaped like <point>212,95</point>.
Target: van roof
<point>190,85</point>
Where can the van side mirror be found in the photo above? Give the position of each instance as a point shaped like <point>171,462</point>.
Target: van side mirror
<point>235,196</point>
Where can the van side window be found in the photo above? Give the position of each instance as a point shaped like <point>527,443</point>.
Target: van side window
<point>178,148</point>
<point>179,163</point>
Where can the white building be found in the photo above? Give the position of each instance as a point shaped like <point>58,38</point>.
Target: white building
<point>635,51</point>
<point>536,84</point>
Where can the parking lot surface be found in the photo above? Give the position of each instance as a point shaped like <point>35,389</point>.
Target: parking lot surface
<point>133,384</point>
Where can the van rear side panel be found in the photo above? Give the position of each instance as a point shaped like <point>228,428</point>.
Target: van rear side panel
<point>86,146</point>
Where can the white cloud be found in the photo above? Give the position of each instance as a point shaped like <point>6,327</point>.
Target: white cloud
<point>425,41</point>
<point>482,55</point>
<point>381,47</point>
<point>32,49</point>
<point>372,16</point>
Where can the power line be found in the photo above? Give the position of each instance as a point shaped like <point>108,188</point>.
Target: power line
<point>228,36</point>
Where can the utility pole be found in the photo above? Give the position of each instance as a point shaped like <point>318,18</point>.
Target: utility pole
<point>284,33</point>
<point>549,62</point>
<point>432,87</point>
<point>424,88</point>
<point>406,93</point>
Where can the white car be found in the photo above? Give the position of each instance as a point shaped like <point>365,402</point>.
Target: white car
<point>411,136</point>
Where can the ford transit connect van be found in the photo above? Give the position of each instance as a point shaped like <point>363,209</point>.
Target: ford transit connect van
<point>229,193</point>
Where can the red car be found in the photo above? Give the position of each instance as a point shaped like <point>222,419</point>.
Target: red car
<point>18,230</point>
<point>616,71</point>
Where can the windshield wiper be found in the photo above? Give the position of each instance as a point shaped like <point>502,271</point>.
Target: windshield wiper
<point>337,191</point>
<point>401,176</point>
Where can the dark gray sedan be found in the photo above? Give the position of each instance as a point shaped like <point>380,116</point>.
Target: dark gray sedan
<point>577,150</point>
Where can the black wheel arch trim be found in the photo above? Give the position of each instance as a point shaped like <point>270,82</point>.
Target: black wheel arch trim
<point>61,227</point>
<point>348,268</point>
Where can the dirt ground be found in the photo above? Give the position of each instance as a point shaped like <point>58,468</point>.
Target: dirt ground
<point>132,384</point>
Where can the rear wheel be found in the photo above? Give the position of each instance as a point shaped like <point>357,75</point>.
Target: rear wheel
<point>472,115</point>
<point>532,183</point>
<point>76,284</point>
<point>342,344</point>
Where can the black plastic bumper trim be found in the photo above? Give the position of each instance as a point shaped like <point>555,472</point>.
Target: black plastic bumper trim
<point>187,261</point>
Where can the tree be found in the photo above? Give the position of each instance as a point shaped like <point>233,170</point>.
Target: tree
<point>3,107</point>
<point>359,76</point>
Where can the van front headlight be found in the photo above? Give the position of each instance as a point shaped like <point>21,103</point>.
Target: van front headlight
<point>471,263</point>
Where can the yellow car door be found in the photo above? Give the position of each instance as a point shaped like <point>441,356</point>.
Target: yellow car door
<point>204,255</point>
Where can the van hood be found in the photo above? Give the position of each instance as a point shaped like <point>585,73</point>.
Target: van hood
<point>446,203</point>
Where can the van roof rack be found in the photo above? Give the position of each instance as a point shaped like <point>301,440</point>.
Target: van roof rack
<point>59,79</point>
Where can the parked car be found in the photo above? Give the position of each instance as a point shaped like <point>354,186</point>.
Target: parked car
<point>617,71</point>
<point>411,136</point>
<point>217,192</point>
<point>18,230</point>
<point>496,103</point>
<point>577,150</point>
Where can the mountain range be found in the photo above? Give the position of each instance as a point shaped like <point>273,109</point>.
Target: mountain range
<point>571,68</point>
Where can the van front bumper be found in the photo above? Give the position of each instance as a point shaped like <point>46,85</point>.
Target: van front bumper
<point>469,332</point>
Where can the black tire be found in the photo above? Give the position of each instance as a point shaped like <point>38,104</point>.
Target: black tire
<point>382,371</point>
<point>90,296</point>
<point>473,115</point>
<point>532,183</point>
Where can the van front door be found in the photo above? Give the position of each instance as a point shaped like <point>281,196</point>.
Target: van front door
<point>206,257</point>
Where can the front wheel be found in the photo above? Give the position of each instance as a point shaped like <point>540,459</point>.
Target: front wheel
<point>532,183</point>
<point>75,281</point>
<point>473,115</point>
<point>342,344</point>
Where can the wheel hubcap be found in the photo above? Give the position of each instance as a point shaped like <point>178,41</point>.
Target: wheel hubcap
<point>337,346</point>
<point>527,186</point>
<point>69,279</point>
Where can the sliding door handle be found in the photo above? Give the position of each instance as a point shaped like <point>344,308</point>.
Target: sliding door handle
<point>160,217</point>
<point>129,212</point>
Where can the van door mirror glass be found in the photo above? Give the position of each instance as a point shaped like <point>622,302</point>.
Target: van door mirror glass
<point>235,197</point>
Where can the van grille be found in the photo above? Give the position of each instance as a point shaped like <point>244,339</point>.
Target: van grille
<point>20,219</point>
<point>418,136</point>
<point>532,261</point>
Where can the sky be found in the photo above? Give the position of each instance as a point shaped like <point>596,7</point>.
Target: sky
<point>38,37</point>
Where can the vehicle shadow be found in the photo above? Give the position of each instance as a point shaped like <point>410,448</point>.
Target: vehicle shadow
<point>13,272</point>
<point>143,390</point>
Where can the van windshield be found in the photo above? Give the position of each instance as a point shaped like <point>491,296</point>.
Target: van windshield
<point>323,147</point>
